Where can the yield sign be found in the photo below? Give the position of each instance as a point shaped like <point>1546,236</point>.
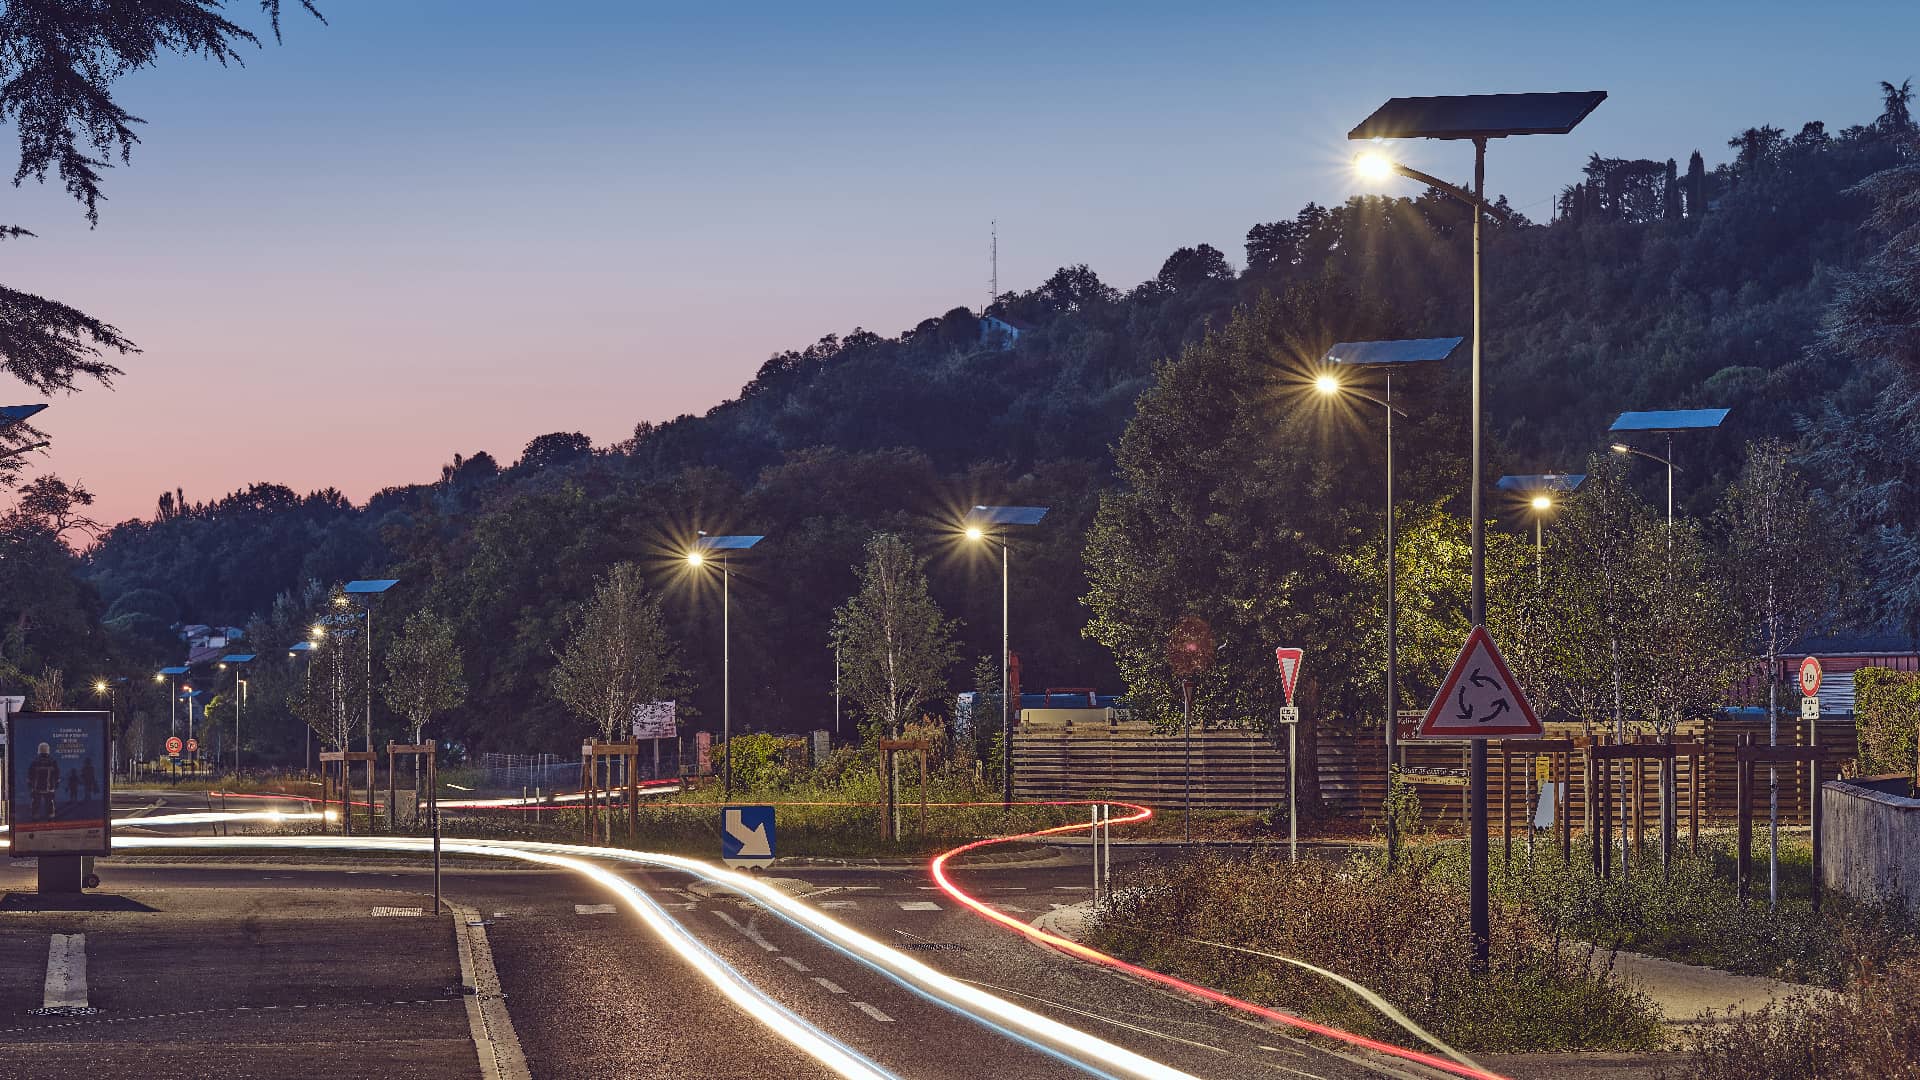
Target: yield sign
<point>1479,699</point>
<point>1289,669</point>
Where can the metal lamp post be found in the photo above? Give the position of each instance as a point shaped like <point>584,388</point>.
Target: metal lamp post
<point>981,523</point>
<point>239,698</point>
<point>715,548</point>
<point>368,590</point>
<point>171,676</point>
<point>305,648</point>
<point>1475,117</point>
<point>1387,356</point>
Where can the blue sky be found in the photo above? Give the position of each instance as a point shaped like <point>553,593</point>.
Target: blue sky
<point>434,227</point>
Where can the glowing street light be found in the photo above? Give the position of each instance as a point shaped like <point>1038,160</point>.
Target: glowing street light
<point>1386,356</point>
<point>1475,117</point>
<point>981,523</point>
<point>1542,489</point>
<point>704,548</point>
<point>239,698</point>
<point>171,676</point>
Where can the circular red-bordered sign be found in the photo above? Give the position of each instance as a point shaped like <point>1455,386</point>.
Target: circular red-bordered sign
<point>193,746</point>
<point>173,745</point>
<point>1810,672</point>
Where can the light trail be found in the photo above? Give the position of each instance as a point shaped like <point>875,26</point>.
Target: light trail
<point>938,869</point>
<point>830,1052</point>
<point>1062,1041</point>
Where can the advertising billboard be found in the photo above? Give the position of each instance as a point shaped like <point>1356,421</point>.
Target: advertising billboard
<point>58,772</point>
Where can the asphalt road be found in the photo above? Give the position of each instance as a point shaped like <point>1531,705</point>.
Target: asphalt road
<point>247,966</point>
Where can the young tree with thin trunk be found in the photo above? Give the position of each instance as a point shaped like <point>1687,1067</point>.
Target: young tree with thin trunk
<point>424,675</point>
<point>1785,575</point>
<point>619,654</point>
<point>896,645</point>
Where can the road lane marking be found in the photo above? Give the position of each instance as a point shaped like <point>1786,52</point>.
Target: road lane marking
<point>839,903</point>
<point>66,986</point>
<point>1101,1018</point>
<point>917,905</point>
<point>795,964</point>
<point>873,1012</point>
<point>494,1039</point>
<point>829,985</point>
<point>1001,905</point>
<point>398,912</point>
<point>593,909</point>
<point>748,932</point>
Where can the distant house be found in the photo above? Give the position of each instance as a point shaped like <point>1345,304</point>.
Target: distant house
<point>1840,656</point>
<point>206,643</point>
<point>1001,333</point>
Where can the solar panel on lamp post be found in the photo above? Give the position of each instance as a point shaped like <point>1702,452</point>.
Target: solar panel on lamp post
<point>980,523</point>
<point>369,589</point>
<point>19,414</point>
<point>1478,118</point>
<point>1665,422</point>
<point>1539,491</point>
<point>1387,356</point>
<point>714,549</point>
<point>239,699</point>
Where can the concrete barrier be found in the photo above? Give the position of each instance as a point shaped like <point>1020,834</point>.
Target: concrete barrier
<point>1870,840</point>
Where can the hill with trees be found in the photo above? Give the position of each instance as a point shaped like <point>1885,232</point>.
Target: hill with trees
<point>1742,286</point>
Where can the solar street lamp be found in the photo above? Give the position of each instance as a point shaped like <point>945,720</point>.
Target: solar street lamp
<point>1477,118</point>
<point>1539,491</point>
<point>1386,356</point>
<point>368,590</point>
<point>171,676</point>
<point>239,698</point>
<point>1666,422</point>
<point>305,648</point>
<point>981,524</point>
<point>715,548</point>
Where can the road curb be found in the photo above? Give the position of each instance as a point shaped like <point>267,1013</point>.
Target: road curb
<point>494,1039</point>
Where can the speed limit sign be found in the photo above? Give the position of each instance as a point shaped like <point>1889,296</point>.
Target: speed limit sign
<point>173,746</point>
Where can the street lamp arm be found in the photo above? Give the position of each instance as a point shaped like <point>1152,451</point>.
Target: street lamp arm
<point>1459,193</point>
<point>1364,396</point>
<point>1623,448</point>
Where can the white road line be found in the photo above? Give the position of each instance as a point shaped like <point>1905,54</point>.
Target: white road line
<point>497,1044</point>
<point>66,973</point>
<point>917,905</point>
<point>593,909</point>
<point>794,964</point>
<point>829,985</point>
<point>839,903</point>
<point>1000,905</point>
<point>873,1012</point>
<point>398,912</point>
<point>747,932</point>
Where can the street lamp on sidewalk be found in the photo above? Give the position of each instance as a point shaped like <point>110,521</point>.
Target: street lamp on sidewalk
<point>1478,118</point>
<point>716,549</point>
<point>1386,356</point>
<point>1664,422</point>
<point>982,524</point>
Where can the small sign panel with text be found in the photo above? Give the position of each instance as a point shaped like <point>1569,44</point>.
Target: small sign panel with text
<point>655,720</point>
<point>1480,698</point>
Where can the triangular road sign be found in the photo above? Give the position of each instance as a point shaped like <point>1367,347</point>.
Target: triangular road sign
<point>1289,660</point>
<point>1480,699</point>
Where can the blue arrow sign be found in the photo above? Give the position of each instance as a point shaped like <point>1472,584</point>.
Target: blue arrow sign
<point>746,836</point>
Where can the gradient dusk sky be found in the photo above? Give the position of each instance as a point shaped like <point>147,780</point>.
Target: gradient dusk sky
<point>436,227</point>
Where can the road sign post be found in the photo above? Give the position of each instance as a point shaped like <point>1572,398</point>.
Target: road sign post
<point>747,836</point>
<point>1289,661</point>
